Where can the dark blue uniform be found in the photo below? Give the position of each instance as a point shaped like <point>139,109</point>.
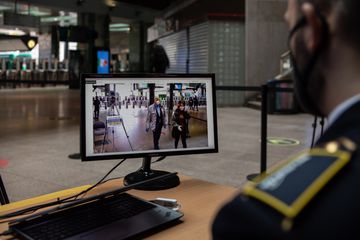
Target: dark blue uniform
<point>333,213</point>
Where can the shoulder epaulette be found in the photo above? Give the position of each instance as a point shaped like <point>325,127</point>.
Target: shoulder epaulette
<point>288,188</point>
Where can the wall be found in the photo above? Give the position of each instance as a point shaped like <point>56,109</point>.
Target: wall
<point>119,41</point>
<point>266,39</point>
<point>215,46</point>
<point>227,59</point>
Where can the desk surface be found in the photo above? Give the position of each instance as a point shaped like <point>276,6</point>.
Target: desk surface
<point>200,201</point>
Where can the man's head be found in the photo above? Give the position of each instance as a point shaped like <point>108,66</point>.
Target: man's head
<point>181,105</point>
<point>320,31</point>
<point>157,101</point>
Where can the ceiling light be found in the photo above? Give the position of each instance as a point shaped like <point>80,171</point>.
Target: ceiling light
<point>12,32</point>
<point>110,3</point>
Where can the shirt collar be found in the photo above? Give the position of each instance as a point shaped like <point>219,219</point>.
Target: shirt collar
<point>341,108</point>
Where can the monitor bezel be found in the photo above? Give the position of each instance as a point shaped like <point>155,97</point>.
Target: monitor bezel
<point>152,154</point>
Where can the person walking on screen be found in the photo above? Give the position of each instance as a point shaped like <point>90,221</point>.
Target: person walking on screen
<point>156,120</point>
<point>178,121</point>
<point>96,107</point>
<point>191,103</point>
<point>196,103</point>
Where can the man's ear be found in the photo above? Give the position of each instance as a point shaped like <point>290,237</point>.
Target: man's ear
<point>313,30</point>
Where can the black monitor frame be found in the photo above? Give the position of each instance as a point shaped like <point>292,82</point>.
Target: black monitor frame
<point>145,172</point>
<point>152,154</point>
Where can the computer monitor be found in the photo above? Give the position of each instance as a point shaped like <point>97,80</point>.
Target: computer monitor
<point>120,119</point>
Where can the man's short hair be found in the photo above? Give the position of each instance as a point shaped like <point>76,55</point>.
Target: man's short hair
<point>347,20</point>
<point>156,99</point>
<point>181,103</point>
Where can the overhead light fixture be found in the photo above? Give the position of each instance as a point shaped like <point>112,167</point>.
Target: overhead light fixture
<point>116,25</point>
<point>110,3</point>
<point>58,19</point>
<point>4,8</point>
<point>119,27</point>
<point>124,29</point>
<point>12,32</point>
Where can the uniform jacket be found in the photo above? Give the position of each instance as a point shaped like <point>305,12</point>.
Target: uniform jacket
<point>152,115</point>
<point>332,214</point>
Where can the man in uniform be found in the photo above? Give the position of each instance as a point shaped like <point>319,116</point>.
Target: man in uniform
<point>325,44</point>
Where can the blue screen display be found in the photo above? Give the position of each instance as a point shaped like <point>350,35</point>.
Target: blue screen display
<point>103,61</point>
<point>178,86</point>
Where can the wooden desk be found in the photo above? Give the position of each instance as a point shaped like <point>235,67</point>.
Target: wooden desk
<point>200,201</point>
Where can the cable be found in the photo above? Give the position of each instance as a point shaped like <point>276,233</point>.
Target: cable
<point>101,180</point>
<point>110,179</point>
<point>57,202</point>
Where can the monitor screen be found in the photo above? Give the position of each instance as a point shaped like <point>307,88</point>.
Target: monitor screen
<point>121,119</point>
<point>103,65</point>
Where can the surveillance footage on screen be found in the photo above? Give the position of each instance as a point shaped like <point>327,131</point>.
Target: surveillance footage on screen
<point>144,116</point>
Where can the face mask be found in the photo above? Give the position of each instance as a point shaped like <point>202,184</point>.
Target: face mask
<point>302,76</point>
<point>182,108</point>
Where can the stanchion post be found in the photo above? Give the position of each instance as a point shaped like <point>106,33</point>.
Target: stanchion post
<point>3,195</point>
<point>76,156</point>
<point>263,147</point>
<point>264,112</point>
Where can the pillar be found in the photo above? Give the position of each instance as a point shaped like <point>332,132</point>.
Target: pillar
<point>266,39</point>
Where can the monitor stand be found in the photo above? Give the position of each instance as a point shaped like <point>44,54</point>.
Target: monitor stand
<point>146,173</point>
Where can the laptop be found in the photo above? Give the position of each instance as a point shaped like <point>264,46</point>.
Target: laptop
<point>112,215</point>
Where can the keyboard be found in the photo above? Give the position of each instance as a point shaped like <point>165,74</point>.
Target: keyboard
<point>79,221</point>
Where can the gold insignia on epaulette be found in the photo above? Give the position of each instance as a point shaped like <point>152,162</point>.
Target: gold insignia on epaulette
<point>289,187</point>
<point>332,147</point>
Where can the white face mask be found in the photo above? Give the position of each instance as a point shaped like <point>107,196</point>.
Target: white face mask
<point>182,108</point>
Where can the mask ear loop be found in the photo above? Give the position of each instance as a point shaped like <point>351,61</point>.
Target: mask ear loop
<point>325,35</point>
<point>301,23</point>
